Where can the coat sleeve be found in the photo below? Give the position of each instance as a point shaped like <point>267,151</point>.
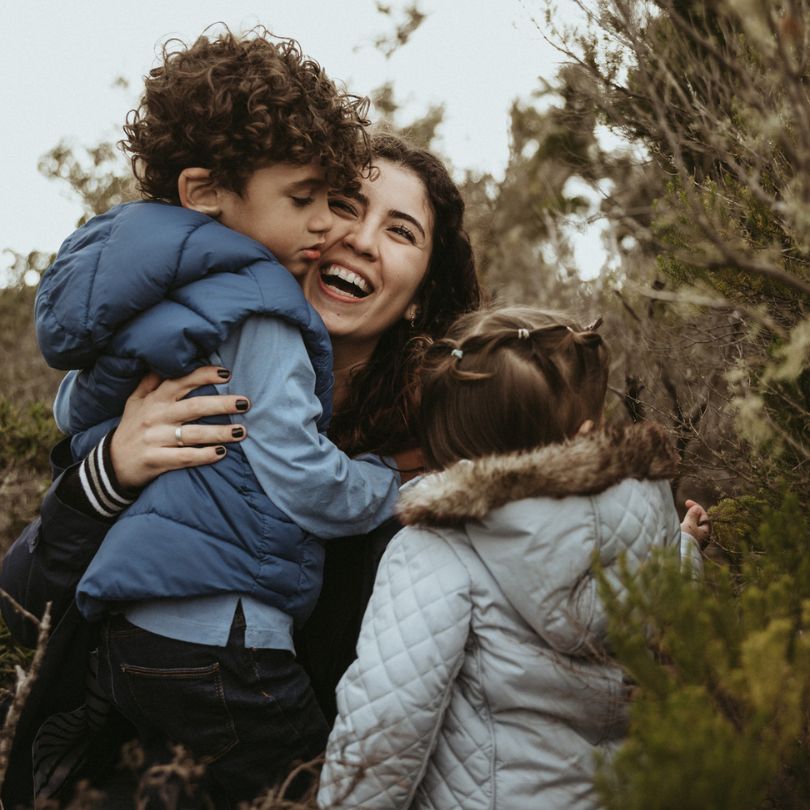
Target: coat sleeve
<point>46,561</point>
<point>392,700</point>
<point>631,522</point>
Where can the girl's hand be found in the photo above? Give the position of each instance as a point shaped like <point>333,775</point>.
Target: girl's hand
<point>145,443</point>
<point>696,522</point>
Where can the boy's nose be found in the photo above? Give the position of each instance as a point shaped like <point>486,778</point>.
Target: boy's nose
<point>322,219</point>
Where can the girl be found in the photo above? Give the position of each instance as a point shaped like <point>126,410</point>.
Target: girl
<point>482,677</point>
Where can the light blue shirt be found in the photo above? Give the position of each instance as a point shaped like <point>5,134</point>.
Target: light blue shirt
<point>316,485</point>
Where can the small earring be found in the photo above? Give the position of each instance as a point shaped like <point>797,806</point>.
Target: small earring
<point>412,319</point>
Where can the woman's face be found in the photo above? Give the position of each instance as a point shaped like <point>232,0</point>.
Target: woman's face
<point>377,255</point>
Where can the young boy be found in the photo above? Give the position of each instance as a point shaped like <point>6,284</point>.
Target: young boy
<point>200,581</point>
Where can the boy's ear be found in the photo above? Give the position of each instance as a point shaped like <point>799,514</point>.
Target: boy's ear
<point>198,192</point>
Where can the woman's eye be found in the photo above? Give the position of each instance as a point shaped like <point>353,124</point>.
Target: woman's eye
<point>342,206</point>
<point>404,232</point>
<point>302,202</point>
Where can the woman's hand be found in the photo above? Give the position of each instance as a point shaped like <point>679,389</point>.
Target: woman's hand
<point>145,443</point>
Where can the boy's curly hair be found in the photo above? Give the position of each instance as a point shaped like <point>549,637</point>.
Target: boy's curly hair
<point>233,104</point>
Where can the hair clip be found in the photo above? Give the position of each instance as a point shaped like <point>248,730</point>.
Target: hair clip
<point>457,353</point>
<point>523,334</point>
<point>594,325</point>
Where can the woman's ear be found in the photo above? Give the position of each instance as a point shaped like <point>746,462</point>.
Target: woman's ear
<point>198,192</point>
<point>410,314</point>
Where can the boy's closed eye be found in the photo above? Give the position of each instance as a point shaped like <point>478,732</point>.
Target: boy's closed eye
<point>342,206</point>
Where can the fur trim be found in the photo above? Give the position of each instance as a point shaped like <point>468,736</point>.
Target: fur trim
<point>585,465</point>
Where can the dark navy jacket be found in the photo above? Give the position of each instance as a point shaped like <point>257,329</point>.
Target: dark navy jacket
<point>149,285</point>
<point>41,567</point>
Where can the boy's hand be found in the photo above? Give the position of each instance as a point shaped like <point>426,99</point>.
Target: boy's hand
<point>145,443</point>
<point>696,522</point>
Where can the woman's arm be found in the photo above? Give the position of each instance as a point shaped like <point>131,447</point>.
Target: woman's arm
<point>49,557</point>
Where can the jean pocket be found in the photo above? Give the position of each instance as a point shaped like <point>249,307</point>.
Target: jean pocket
<point>187,704</point>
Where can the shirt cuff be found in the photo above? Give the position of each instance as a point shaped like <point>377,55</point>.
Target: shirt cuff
<point>94,488</point>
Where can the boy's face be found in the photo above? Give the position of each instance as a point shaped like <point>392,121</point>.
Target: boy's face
<point>285,207</point>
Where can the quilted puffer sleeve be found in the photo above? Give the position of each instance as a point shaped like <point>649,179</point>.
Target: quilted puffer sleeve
<point>392,700</point>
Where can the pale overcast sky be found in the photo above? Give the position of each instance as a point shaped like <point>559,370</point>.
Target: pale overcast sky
<point>59,62</point>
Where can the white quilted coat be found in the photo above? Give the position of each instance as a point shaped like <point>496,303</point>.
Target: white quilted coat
<point>481,679</point>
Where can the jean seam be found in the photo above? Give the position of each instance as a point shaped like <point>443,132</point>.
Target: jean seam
<point>284,714</point>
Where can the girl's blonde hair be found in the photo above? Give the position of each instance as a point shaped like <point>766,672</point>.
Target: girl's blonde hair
<point>509,379</point>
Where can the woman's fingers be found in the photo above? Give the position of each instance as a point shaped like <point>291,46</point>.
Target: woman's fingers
<point>205,434</point>
<point>149,383</point>
<point>193,408</point>
<point>174,458</point>
<point>205,375</point>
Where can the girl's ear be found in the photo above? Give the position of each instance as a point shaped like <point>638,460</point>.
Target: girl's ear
<point>198,192</point>
<point>410,314</point>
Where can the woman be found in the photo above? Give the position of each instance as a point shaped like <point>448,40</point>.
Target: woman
<point>399,266</point>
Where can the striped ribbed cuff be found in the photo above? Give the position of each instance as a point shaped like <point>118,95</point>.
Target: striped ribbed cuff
<point>99,484</point>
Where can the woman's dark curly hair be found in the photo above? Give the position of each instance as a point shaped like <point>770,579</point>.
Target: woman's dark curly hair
<point>379,412</point>
<point>233,104</point>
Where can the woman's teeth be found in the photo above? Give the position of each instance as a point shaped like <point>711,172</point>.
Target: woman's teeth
<point>346,281</point>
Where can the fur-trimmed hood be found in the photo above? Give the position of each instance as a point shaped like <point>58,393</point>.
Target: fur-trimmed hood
<point>585,465</point>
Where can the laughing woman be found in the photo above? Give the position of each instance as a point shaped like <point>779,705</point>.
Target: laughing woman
<point>399,266</point>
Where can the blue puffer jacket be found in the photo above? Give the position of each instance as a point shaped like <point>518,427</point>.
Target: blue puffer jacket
<point>158,286</point>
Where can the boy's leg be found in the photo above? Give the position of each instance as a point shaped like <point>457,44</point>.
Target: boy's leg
<point>246,714</point>
<point>278,720</point>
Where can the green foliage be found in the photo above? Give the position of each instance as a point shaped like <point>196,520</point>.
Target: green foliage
<point>411,18</point>
<point>27,430</point>
<point>421,131</point>
<point>722,668</point>
<point>97,175</point>
<point>713,99</point>
<point>26,433</point>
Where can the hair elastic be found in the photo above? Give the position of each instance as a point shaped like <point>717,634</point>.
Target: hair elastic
<point>457,353</point>
<point>523,334</point>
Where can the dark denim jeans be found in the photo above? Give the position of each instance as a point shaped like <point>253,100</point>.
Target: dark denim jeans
<point>246,714</point>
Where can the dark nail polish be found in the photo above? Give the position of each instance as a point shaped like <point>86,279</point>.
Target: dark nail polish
<point>238,432</point>
<point>224,373</point>
<point>220,451</point>
<point>242,404</point>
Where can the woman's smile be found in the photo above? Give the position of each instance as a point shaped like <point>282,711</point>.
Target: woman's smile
<point>344,283</point>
